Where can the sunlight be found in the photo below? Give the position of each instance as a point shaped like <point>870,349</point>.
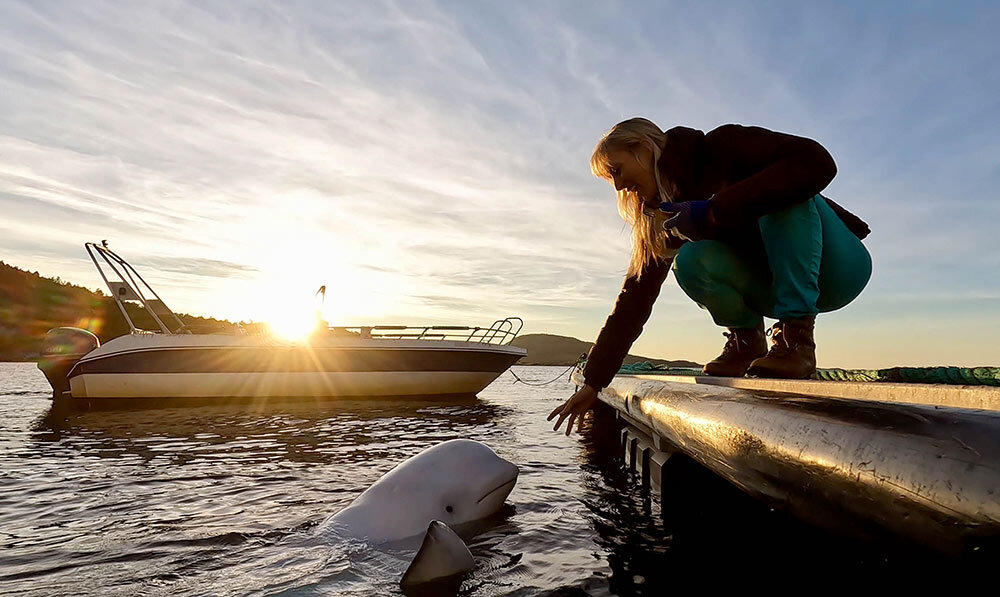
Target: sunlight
<point>294,326</point>
<point>286,301</point>
<point>309,253</point>
<point>290,253</point>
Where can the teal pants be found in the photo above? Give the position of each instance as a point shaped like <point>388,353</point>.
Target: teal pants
<point>812,264</point>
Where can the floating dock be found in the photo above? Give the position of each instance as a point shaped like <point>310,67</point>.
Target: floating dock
<point>919,462</point>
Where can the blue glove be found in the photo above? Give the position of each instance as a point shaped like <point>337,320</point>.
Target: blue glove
<point>689,219</point>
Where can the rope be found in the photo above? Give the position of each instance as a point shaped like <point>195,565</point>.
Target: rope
<point>554,379</point>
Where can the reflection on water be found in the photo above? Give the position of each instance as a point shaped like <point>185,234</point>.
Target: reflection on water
<point>202,499</point>
<point>223,500</point>
<point>309,431</point>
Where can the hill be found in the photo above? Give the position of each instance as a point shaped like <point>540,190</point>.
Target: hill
<point>549,349</point>
<point>30,305</point>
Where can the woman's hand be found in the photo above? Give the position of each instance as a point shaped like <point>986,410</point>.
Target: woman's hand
<point>574,408</point>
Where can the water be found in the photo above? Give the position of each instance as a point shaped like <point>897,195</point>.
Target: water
<point>223,500</point>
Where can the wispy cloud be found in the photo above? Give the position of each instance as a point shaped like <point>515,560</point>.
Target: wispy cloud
<point>194,266</point>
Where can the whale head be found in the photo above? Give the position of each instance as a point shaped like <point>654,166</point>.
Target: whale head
<point>455,482</point>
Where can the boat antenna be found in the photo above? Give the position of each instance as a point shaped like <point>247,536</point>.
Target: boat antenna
<point>321,293</point>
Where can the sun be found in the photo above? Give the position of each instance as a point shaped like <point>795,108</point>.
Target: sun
<point>282,292</point>
<point>289,308</point>
<point>293,326</point>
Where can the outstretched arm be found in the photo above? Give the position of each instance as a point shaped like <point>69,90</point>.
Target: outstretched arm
<point>623,326</point>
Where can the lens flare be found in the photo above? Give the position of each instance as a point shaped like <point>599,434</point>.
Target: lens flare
<point>293,326</point>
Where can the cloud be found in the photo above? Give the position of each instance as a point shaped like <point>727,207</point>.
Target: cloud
<point>212,268</point>
<point>436,152</point>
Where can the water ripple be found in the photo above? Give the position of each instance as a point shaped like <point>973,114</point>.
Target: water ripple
<point>224,500</point>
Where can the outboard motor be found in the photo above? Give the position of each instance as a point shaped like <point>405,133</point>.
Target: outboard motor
<point>61,349</point>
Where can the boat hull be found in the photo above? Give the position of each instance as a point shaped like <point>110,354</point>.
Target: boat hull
<point>223,367</point>
<point>279,384</point>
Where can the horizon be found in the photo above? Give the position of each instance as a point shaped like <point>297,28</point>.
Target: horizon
<point>429,162</point>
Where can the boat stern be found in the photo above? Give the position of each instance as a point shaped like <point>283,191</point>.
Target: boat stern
<point>62,349</point>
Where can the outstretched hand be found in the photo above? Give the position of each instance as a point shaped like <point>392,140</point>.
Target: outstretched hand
<point>574,408</point>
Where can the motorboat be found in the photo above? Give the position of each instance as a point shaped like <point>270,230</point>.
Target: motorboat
<point>173,361</point>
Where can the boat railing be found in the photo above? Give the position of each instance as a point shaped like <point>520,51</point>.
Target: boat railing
<point>501,331</point>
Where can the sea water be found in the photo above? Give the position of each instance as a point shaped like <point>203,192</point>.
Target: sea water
<point>224,500</point>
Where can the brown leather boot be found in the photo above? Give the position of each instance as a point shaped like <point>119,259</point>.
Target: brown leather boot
<point>742,347</point>
<point>793,351</point>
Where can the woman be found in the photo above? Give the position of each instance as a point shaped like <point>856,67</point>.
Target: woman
<point>737,214</point>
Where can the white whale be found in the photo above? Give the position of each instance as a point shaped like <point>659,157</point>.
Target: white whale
<point>455,482</point>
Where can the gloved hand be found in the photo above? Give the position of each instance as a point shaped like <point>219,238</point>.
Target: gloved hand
<point>689,219</point>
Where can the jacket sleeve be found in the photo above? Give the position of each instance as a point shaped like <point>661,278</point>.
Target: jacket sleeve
<point>623,326</point>
<point>774,170</point>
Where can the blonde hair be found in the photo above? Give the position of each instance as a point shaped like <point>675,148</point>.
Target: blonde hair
<point>648,237</point>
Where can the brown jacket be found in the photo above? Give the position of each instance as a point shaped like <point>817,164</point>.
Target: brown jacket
<point>747,172</point>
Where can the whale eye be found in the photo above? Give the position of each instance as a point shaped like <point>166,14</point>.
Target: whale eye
<point>449,509</point>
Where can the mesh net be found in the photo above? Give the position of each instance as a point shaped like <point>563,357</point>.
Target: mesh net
<point>972,376</point>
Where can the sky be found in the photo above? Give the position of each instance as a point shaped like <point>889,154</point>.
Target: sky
<point>428,161</point>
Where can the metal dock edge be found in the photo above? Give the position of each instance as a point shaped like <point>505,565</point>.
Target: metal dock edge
<point>926,474</point>
<point>979,397</point>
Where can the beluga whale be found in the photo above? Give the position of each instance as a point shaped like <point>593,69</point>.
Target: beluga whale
<point>447,485</point>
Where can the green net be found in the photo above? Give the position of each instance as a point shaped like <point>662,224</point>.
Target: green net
<point>647,367</point>
<point>973,376</point>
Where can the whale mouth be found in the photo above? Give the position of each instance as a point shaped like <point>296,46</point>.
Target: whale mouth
<point>497,488</point>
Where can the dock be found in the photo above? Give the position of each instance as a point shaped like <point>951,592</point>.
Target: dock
<point>918,462</point>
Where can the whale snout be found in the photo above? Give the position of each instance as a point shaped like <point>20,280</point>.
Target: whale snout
<point>497,491</point>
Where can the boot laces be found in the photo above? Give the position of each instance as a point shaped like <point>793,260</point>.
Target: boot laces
<point>733,341</point>
<point>780,343</point>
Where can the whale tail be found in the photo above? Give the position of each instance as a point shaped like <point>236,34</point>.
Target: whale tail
<point>442,554</point>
